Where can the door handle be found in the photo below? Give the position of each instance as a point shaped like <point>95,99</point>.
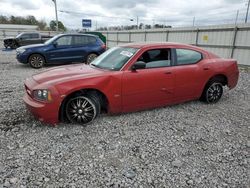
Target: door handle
<point>205,68</point>
<point>168,73</point>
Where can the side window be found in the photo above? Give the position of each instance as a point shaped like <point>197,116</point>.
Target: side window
<point>25,36</point>
<point>79,40</point>
<point>185,56</point>
<point>91,40</point>
<point>35,35</point>
<point>64,41</point>
<point>156,58</point>
<point>83,40</point>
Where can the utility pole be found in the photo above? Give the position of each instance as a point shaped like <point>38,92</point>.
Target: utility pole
<point>247,11</point>
<point>193,21</point>
<point>236,19</point>
<point>56,15</point>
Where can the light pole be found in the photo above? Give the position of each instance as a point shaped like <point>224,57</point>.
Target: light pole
<point>137,22</point>
<point>247,11</point>
<point>236,19</point>
<point>56,15</point>
<point>193,21</point>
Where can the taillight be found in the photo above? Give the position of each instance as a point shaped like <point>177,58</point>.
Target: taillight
<point>103,46</point>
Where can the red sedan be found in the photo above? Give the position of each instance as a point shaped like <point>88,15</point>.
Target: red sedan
<point>129,78</point>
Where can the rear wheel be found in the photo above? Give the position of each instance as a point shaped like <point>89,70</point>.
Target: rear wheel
<point>90,58</point>
<point>36,61</point>
<point>82,109</point>
<point>212,92</point>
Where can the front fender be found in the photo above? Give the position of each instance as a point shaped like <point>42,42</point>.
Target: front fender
<point>110,86</point>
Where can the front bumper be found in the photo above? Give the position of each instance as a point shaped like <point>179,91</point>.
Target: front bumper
<point>22,58</point>
<point>45,112</point>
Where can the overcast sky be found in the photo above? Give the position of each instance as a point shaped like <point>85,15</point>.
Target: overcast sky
<point>119,12</point>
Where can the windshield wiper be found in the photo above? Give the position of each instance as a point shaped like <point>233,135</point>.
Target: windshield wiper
<point>94,65</point>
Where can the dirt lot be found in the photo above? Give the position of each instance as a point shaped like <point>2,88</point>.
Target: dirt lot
<point>186,145</point>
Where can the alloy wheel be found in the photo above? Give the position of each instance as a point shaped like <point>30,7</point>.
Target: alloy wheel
<point>36,61</point>
<point>214,92</point>
<point>90,58</point>
<point>80,110</point>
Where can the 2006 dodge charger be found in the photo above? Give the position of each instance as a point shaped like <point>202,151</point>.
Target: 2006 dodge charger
<point>129,78</point>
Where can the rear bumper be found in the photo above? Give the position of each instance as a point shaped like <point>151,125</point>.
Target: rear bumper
<point>233,79</point>
<point>45,112</point>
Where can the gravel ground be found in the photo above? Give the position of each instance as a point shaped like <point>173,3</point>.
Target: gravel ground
<point>186,145</point>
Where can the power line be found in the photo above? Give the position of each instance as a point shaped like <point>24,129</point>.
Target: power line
<point>95,15</point>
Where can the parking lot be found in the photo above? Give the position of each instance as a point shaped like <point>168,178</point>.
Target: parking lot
<point>187,145</point>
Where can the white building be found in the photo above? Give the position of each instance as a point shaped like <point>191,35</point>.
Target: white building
<point>17,27</point>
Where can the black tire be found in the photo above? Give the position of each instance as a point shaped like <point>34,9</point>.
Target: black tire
<point>212,92</point>
<point>82,109</point>
<point>36,61</point>
<point>90,58</point>
<point>13,45</point>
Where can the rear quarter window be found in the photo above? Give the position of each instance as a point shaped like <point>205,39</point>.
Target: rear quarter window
<point>91,40</point>
<point>186,56</point>
<point>84,40</point>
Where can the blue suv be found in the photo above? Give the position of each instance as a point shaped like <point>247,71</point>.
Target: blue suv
<point>63,48</point>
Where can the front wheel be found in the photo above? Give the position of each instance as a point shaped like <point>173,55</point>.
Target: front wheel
<point>82,109</point>
<point>13,45</point>
<point>36,61</point>
<point>213,92</point>
<point>90,58</point>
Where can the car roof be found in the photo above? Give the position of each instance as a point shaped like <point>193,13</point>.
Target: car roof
<point>77,34</point>
<point>29,32</point>
<point>160,44</point>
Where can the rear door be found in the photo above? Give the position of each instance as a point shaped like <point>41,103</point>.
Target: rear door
<point>35,38</point>
<point>83,45</point>
<point>149,87</point>
<point>189,74</point>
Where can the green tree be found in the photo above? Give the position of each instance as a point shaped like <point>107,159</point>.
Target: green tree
<point>3,19</point>
<point>28,20</point>
<point>31,20</point>
<point>61,27</point>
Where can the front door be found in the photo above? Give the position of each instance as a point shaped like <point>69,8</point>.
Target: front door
<point>63,51</point>
<point>152,86</point>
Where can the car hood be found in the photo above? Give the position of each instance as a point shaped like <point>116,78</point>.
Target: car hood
<point>66,73</point>
<point>33,46</point>
<point>9,38</point>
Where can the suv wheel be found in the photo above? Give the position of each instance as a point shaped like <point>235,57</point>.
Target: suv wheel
<point>90,58</point>
<point>36,61</point>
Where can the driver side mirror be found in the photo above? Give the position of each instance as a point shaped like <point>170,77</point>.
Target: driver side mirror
<point>138,65</point>
<point>55,44</point>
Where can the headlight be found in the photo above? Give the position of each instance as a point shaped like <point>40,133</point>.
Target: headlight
<point>20,50</point>
<point>42,95</point>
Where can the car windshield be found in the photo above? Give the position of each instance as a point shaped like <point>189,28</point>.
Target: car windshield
<point>114,58</point>
<point>19,35</point>
<point>51,40</point>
